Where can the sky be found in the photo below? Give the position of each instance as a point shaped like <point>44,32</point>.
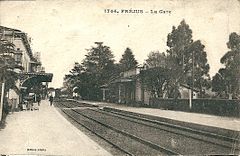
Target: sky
<point>63,30</point>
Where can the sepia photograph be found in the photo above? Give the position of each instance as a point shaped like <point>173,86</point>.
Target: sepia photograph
<point>119,77</point>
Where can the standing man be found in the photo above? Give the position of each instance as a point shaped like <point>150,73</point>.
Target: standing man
<point>51,100</point>
<point>38,99</point>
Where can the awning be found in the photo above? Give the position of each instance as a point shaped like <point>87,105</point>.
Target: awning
<point>36,78</point>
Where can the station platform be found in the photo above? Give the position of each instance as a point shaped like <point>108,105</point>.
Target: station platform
<point>229,123</point>
<point>45,132</point>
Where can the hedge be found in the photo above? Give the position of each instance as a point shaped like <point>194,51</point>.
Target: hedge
<point>221,107</point>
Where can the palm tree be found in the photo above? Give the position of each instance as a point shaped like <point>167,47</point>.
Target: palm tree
<point>7,75</point>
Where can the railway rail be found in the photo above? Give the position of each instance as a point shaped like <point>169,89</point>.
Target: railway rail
<point>226,141</point>
<point>149,137</point>
<point>123,141</point>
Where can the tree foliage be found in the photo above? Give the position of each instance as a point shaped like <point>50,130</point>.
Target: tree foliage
<point>96,70</point>
<point>220,82</point>
<point>7,64</point>
<point>179,41</point>
<point>186,56</point>
<point>156,59</point>
<point>128,60</point>
<point>154,79</point>
<point>73,78</point>
<point>229,77</point>
<point>156,74</point>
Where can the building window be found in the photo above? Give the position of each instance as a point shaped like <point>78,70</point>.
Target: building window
<point>18,57</point>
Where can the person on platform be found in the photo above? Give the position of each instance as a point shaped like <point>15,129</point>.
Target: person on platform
<point>38,99</point>
<point>30,102</point>
<point>51,100</point>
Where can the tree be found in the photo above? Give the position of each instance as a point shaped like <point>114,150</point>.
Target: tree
<point>178,41</point>
<point>186,56</point>
<point>73,78</point>
<point>231,58</point>
<point>220,82</point>
<point>231,73</point>
<point>156,75</point>
<point>96,70</point>
<point>199,65</point>
<point>156,59</point>
<point>7,64</point>
<point>154,79</point>
<point>128,60</point>
<point>232,62</point>
<point>99,61</point>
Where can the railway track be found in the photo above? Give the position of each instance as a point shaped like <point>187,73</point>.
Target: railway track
<point>71,104</point>
<point>226,141</point>
<point>154,134</point>
<point>127,143</point>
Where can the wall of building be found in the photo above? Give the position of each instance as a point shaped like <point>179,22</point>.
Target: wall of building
<point>147,96</point>
<point>138,91</point>
<point>13,98</point>
<point>141,94</point>
<point>131,72</point>
<point>25,57</point>
<point>185,93</point>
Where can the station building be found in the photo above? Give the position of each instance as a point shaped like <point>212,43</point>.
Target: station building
<point>32,78</point>
<point>128,87</point>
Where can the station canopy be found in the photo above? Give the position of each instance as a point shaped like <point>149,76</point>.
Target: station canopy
<point>36,78</point>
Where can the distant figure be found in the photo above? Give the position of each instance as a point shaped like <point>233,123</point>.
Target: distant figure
<point>38,99</point>
<point>51,100</point>
<point>30,103</point>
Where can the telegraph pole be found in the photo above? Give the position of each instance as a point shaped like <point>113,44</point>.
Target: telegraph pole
<point>192,85</point>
